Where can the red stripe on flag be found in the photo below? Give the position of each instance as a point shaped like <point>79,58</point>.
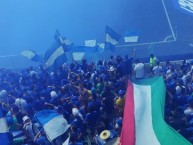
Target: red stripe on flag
<point>128,129</point>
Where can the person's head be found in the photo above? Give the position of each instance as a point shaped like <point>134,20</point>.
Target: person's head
<point>167,62</point>
<point>137,61</point>
<point>53,94</point>
<point>26,119</point>
<point>100,128</point>
<point>75,112</point>
<point>184,61</point>
<point>118,122</point>
<point>151,55</point>
<point>83,61</point>
<point>121,93</point>
<point>73,137</point>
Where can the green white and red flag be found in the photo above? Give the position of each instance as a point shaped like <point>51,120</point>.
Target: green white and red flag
<point>143,122</point>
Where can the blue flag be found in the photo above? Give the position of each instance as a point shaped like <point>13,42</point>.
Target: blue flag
<point>53,123</point>
<point>4,131</point>
<point>30,54</point>
<point>112,39</point>
<point>55,56</point>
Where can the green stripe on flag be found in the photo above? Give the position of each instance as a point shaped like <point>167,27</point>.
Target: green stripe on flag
<point>165,134</point>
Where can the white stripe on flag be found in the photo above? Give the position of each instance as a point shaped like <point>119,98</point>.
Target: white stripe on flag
<point>101,45</point>
<point>56,127</point>
<point>27,53</point>
<point>3,126</point>
<point>78,55</point>
<point>65,41</point>
<point>67,141</point>
<point>109,39</point>
<point>144,132</point>
<point>131,39</point>
<point>90,43</point>
<point>58,52</point>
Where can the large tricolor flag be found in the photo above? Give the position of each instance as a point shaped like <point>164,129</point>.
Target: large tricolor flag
<point>4,131</point>
<point>53,123</point>
<point>143,122</point>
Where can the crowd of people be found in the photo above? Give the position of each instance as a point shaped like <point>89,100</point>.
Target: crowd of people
<point>91,97</point>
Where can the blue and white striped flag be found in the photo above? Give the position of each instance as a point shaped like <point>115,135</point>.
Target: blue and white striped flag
<point>55,56</point>
<point>63,41</point>
<point>53,123</point>
<point>4,131</point>
<point>78,56</point>
<point>131,36</point>
<point>112,39</point>
<point>101,47</point>
<point>31,55</point>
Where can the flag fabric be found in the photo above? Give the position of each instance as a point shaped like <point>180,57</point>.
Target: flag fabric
<point>79,52</point>
<point>53,123</point>
<point>57,34</point>
<point>31,55</point>
<point>143,122</point>
<point>78,56</point>
<point>131,36</point>
<point>55,56</point>
<point>63,41</point>
<point>101,47</point>
<point>90,43</point>
<point>4,131</point>
<point>112,39</point>
<point>67,141</point>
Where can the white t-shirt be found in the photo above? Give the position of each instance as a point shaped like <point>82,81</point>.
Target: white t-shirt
<point>21,104</point>
<point>139,70</point>
<point>157,70</point>
<point>188,111</point>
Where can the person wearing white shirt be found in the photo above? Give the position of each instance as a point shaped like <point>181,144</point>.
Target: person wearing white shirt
<point>139,70</point>
<point>21,104</point>
<point>157,70</point>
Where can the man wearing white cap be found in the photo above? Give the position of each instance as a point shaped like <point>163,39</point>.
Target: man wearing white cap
<point>54,97</point>
<point>28,128</point>
<point>33,132</point>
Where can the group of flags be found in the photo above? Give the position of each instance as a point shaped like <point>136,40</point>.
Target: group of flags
<point>143,121</point>
<point>55,56</point>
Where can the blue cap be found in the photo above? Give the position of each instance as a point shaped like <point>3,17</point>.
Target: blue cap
<point>121,93</point>
<point>119,121</point>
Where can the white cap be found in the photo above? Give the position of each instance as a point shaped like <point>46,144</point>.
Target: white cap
<point>3,93</point>
<point>178,90</point>
<point>111,68</point>
<point>75,111</point>
<point>53,94</point>
<point>25,118</point>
